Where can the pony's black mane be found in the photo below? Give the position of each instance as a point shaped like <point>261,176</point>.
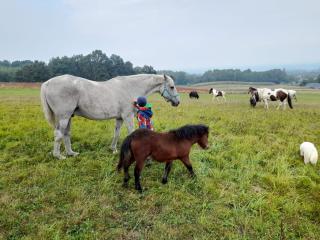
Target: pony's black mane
<point>190,131</point>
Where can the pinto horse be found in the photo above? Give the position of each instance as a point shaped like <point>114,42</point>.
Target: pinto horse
<point>217,93</point>
<point>162,147</point>
<point>266,94</point>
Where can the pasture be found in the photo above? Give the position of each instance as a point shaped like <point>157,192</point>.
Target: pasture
<point>251,183</point>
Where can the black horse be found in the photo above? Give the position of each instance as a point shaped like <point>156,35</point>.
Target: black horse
<point>194,94</point>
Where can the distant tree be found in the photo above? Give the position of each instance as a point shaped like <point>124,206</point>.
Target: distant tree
<point>145,69</point>
<point>35,72</point>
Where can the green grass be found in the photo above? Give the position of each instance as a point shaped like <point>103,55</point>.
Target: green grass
<point>251,183</point>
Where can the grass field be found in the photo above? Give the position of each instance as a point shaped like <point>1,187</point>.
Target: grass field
<point>251,183</point>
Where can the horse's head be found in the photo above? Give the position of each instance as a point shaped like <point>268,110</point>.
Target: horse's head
<point>210,91</point>
<point>252,90</point>
<point>253,101</point>
<point>203,141</point>
<point>203,136</point>
<point>169,91</point>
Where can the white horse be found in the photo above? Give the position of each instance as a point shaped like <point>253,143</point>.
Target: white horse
<point>266,94</point>
<point>216,93</point>
<point>65,96</point>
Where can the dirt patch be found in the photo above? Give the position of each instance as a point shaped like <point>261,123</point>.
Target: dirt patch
<point>19,85</point>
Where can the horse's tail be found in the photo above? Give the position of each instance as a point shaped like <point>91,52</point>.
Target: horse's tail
<point>125,152</point>
<point>290,101</point>
<point>48,113</point>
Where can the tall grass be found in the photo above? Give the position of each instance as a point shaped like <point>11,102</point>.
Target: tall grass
<point>251,183</point>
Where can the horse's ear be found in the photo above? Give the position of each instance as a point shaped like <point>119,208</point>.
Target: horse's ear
<point>165,77</point>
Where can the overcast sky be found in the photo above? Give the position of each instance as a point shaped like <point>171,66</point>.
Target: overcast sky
<point>167,34</point>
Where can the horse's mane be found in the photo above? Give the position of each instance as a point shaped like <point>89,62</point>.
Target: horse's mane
<point>190,131</point>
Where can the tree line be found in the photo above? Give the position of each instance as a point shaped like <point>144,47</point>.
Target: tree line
<point>274,75</point>
<point>96,66</point>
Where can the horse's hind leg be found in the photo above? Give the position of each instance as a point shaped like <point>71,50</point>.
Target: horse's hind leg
<point>137,172</point>
<point>58,136</point>
<point>116,135</point>
<point>166,172</point>
<point>67,141</point>
<point>59,132</point>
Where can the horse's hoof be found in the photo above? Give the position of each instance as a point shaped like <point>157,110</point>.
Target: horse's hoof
<point>73,154</point>
<point>125,185</point>
<point>114,151</point>
<point>60,157</point>
<point>164,181</point>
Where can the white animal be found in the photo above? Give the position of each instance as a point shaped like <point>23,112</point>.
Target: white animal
<point>309,152</point>
<point>64,96</point>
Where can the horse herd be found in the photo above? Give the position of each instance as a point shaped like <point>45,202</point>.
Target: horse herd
<point>65,96</point>
<point>257,95</point>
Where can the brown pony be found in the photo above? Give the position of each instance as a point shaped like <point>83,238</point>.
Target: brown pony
<point>162,147</point>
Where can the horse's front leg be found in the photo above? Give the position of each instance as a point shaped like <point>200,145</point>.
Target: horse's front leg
<point>166,172</point>
<point>187,163</point>
<point>129,123</point>
<point>116,135</point>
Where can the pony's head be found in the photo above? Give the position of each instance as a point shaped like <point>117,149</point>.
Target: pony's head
<point>199,132</point>
<point>210,91</point>
<point>253,101</point>
<point>169,91</point>
<point>252,90</point>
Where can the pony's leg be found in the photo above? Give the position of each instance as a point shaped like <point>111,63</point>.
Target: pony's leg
<point>224,98</point>
<point>187,163</point>
<point>266,105</point>
<point>126,172</point>
<point>116,135</point>
<point>279,105</point>
<point>166,172</point>
<point>137,172</point>
<point>67,141</point>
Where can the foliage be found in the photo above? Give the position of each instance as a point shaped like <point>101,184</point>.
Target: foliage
<point>96,66</point>
<point>251,183</point>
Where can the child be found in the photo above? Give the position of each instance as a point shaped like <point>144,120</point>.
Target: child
<point>144,113</point>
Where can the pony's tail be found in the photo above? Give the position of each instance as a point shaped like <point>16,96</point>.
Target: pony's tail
<point>314,157</point>
<point>125,152</point>
<point>290,101</point>
<point>48,113</point>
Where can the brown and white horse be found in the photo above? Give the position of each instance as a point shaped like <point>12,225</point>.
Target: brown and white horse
<point>217,93</point>
<point>265,95</point>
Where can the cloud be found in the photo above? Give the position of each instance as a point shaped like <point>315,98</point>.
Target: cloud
<point>180,34</point>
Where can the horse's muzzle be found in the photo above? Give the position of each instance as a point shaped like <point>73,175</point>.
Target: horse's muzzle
<point>175,104</point>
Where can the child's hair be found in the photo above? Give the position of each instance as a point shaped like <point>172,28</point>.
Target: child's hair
<point>142,101</point>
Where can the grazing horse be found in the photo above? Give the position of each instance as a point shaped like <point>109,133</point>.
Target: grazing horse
<point>194,94</point>
<point>216,93</point>
<point>266,94</point>
<point>293,94</point>
<point>162,147</point>
<point>64,96</point>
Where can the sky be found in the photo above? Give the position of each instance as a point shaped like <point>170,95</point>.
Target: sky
<point>189,35</point>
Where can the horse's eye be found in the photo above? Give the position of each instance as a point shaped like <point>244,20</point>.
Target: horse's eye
<point>172,87</point>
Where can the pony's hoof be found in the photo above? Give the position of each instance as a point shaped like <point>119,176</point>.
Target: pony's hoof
<point>73,154</point>
<point>164,181</point>
<point>114,151</point>
<point>139,189</point>
<point>125,185</point>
